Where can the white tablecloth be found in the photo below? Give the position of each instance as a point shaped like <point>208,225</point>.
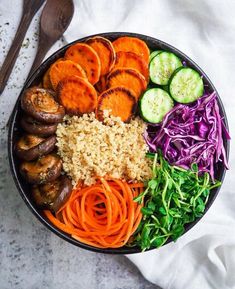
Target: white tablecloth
<point>205,31</point>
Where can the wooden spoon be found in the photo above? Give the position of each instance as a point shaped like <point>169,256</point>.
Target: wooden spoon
<point>56,17</point>
<point>29,10</point>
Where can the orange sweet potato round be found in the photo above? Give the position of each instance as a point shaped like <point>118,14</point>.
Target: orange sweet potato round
<point>120,101</point>
<point>77,95</point>
<point>105,51</point>
<point>63,68</point>
<point>132,60</point>
<point>101,84</point>
<point>46,82</point>
<point>86,56</point>
<point>132,44</point>
<point>129,78</point>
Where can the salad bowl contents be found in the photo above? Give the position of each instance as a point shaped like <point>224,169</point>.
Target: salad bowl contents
<point>119,143</point>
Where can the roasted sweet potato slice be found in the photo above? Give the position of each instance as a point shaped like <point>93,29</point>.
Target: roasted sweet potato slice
<point>129,78</point>
<point>46,82</point>
<point>62,69</point>
<point>132,60</point>
<point>77,95</point>
<point>85,55</point>
<point>132,44</point>
<point>120,101</point>
<point>105,51</point>
<point>101,84</point>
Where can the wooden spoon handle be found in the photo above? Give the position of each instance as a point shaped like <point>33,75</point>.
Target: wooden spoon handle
<point>44,45</point>
<point>14,51</point>
<point>28,13</point>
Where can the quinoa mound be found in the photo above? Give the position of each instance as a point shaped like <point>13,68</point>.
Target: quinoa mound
<point>90,148</point>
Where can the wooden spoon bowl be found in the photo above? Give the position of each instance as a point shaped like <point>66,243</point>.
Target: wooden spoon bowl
<point>55,19</point>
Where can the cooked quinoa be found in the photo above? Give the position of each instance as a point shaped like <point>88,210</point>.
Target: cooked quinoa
<point>90,148</point>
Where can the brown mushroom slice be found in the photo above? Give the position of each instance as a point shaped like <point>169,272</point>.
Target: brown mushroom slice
<point>40,104</point>
<point>54,194</point>
<point>33,126</point>
<point>30,147</point>
<point>43,170</point>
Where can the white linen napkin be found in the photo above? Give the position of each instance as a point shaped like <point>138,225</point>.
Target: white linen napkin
<point>205,30</point>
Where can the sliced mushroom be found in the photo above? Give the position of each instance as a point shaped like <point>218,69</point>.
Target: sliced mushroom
<point>54,194</point>
<point>40,104</point>
<point>45,169</point>
<point>30,147</point>
<point>33,126</point>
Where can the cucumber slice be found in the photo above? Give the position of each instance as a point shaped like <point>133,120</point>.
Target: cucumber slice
<point>153,54</point>
<point>162,67</point>
<point>186,85</point>
<point>155,104</point>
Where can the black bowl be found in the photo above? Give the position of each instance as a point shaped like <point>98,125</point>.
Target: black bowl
<point>15,131</point>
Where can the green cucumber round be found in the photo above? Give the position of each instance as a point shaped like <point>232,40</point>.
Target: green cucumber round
<point>186,85</point>
<point>153,54</point>
<point>162,67</point>
<point>155,104</point>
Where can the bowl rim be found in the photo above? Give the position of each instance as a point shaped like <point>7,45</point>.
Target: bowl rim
<point>11,130</point>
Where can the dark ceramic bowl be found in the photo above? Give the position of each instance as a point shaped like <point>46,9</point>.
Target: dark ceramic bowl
<point>15,131</point>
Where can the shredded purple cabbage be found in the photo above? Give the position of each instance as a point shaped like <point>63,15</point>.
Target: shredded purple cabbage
<point>191,134</point>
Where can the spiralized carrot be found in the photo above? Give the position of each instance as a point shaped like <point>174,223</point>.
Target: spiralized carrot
<point>103,215</point>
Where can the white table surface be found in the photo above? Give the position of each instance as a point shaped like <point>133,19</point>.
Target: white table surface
<point>30,255</point>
